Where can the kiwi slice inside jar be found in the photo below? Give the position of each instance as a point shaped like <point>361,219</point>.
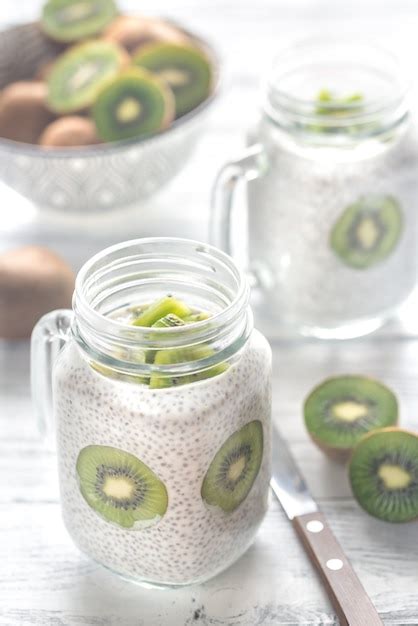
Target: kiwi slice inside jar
<point>185,68</point>
<point>120,488</point>
<point>367,232</point>
<point>234,468</point>
<point>79,74</point>
<point>341,410</point>
<point>383,474</point>
<point>68,21</point>
<point>133,104</point>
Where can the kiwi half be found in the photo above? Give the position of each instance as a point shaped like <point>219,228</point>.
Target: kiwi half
<point>368,231</point>
<point>79,74</point>
<point>341,410</point>
<point>134,104</point>
<point>383,474</point>
<point>184,68</point>
<point>234,468</point>
<point>120,488</point>
<point>71,20</point>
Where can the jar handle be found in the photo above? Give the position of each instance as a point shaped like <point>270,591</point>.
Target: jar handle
<point>48,337</point>
<point>253,164</point>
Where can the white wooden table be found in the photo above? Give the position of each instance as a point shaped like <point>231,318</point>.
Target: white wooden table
<point>44,580</point>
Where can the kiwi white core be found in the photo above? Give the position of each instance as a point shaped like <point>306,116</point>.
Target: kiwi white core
<point>83,75</point>
<point>128,110</point>
<point>349,411</point>
<point>76,12</point>
<point>368,233</point>
<point>236,469</point>
<point>394,477</point>
<point>174,77</point>
<point>118,487</point>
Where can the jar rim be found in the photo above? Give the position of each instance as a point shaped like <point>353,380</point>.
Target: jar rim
<point>98,334</point>
<point>291,100</point>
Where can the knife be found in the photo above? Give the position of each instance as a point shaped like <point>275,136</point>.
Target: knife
<point>348,596</point>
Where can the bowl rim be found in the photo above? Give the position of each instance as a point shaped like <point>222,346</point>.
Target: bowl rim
<point>112,147</point>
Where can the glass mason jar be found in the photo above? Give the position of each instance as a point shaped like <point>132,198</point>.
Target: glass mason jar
<point>332,193</point>
<point>164,484</point>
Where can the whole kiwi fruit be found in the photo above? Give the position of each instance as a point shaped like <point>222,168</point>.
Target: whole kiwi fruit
<point>23,111</point>
<point>69,131</point>
<point>33,281</point>
<point>133,31</point>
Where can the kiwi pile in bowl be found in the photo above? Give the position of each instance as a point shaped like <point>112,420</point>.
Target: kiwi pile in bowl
<point>114,77</point>
<point>354,419</point>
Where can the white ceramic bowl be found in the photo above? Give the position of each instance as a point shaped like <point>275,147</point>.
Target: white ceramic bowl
<point>97,178</point>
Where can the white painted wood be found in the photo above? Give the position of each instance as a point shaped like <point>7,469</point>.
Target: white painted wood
<point>44,580</point>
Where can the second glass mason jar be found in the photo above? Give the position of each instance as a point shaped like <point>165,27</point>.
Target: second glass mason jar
<point>161,404</point>
<point>332,192</point>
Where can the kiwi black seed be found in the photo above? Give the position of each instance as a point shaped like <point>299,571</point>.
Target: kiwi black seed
<point>340,410</point>
<point>234,468</point>
<point>69,131</point>
<point>133,31</point>
<point>68,21</point>
<point>134,104</point>
<point>120,488</point>
<point>78,75</point>
<point>23,111</point>
<point>368,231</point>
<point>383,474</point>
<point>185,68</point>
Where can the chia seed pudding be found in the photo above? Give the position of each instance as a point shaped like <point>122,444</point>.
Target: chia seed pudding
<point>162,414</point>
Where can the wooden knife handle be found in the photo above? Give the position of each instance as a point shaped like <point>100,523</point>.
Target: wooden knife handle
<point>348,596</point>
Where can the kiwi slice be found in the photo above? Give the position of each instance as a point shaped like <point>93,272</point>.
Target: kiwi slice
<point>133,104</point>
<point>71,20</point>
<point>159,309</point>
<point>234,468</point>
<point>169,321</point>
<point>184,68</point>
<point>196,317</point>
<point>184,355</point>
<point>78,75</point>
<point>368,231</point>
<point>341,410</point>
<point>120,487</point>
<point>383,474</point>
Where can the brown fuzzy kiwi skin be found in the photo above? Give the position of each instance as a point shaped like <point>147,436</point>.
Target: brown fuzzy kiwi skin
<point>389,429</point>
<point>133,31</point>
<point>69,131</point>
<point>33,281</point>
<point>340,455</point>
<point>23,111</point>
<point>44,70</point>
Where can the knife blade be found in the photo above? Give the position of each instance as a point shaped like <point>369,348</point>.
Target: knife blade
<point>349,598</point>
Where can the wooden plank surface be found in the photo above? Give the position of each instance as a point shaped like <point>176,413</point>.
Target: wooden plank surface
<point>43,578</point>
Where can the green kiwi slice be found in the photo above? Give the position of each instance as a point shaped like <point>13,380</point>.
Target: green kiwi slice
<point>184,68</point>
<point>367,232</point>
<point>383,474</point>
<point>71,20</point>
<point>339,411</point>
<point>120,488</point>
<point>200,316</point>
<point>159,309</point>
<point>133,104</point>
<point>234,468</point>
<point>78,75</point>
<point>169,321</point>
<point>184,355</point>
